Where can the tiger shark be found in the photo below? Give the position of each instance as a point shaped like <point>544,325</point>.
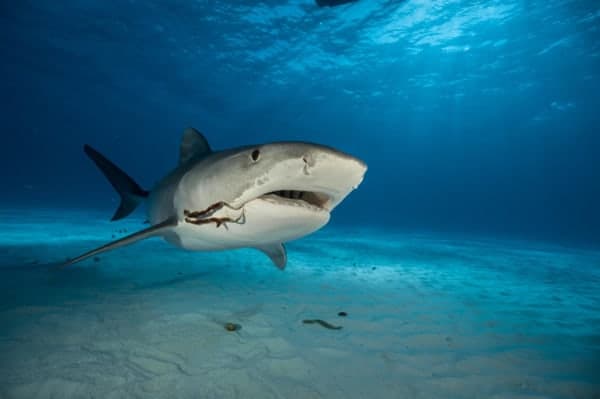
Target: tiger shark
<point>258,196</point>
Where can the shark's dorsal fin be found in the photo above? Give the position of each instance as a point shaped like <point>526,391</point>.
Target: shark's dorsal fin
<point>276,252</point>
<point>193,144</point>
<point>130,239</point>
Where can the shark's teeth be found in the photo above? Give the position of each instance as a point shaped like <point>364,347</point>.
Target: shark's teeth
<point>291,194</point>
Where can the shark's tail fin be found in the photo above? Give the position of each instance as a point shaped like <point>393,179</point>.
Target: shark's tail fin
<point>130,192</point>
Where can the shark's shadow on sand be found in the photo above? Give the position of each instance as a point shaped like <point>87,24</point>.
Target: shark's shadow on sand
<point>26,281</point>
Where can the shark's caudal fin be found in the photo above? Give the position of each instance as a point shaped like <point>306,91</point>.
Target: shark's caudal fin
<point>130,192</point>
<point>152,231</point>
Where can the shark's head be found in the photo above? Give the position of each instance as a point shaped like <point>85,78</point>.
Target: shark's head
<point>285,190</point>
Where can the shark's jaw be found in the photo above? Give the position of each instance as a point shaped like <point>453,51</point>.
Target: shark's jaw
<point>276,218</point>
<point>290,214</point>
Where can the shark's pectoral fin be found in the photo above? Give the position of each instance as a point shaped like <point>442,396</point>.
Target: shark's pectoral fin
<point>193,145</point>
<point>276,252</point>
<point>151,231</point>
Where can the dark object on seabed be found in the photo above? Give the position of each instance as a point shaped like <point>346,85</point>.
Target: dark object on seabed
<point>322,323</point>
<point>232,327</point>
<point>333,3</point>
<point>342,314</point>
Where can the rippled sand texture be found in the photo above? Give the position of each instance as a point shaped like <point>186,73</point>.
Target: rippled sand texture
<point>427,317</point>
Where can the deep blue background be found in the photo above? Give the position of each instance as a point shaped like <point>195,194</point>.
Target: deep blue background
<point>474,116</point>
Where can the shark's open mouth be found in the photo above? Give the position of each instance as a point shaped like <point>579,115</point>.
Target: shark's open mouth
<point>305,198</point>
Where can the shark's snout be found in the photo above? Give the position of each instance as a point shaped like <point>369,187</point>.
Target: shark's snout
<point>332,173</point>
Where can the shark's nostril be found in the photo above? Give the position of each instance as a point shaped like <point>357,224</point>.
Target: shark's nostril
<point>308,162</point>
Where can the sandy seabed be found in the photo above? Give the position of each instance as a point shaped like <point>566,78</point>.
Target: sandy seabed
<point>427,316</point>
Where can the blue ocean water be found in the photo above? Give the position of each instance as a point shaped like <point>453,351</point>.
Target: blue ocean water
<point>467,261</point>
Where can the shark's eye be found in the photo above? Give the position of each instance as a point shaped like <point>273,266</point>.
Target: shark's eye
<point>255,154</point>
